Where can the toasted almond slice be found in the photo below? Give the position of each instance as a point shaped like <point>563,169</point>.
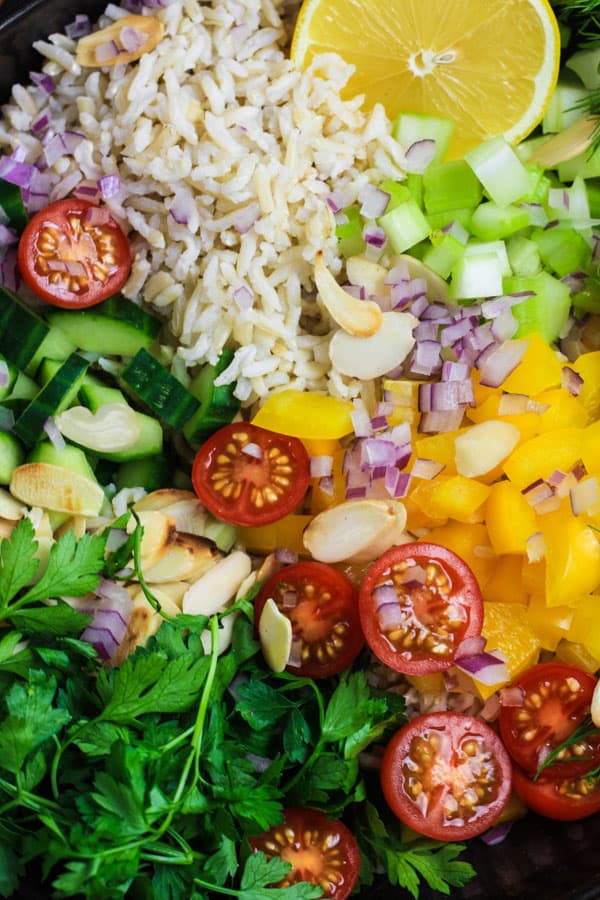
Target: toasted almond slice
<point>212,592</point>
<point>6,528</point>
<point>371,357</point>
<point>162,498</point>
<point>186,559</point>
<point>436,287</point>
<point>144,621</point>
<point>173,590</point>
<point>354,530</point>
<point>56,488</point>
<point>246,584</point>
<point>76,524</point>
<point>90,49</point>
<point>275,633</point>
<point>159,533</point>
<point>113,427</point>
<point>368,274</point>
<point>10,508</point>
<point>567,144</point>
<point>189,515</point>
<point>223,636</point>
<point>360,318</point>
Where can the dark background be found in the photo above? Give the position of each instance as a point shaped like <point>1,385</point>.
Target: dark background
<point>540,858</point>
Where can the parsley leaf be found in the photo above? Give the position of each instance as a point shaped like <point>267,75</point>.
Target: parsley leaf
<point>31,719</point>
<point>59,620</point>
<point>73,568</point>
<point>18,563</point>
<point>261,705</point>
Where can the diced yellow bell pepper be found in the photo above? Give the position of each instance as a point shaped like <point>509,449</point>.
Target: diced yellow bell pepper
<point>509,518</point>
<point>319,499</point>
<point>539,369</point>
<point>585,627</point>
<point>514,809</point>
<point>506,628</point>
<point>405,399</point>
<point>481,392</point>
<point>572,557</point>
<point>466,541</point>
<point>577,655</point>
<point>433,683</point>
<point>439,447</point>
<point>305,414</point>
<point>543,454</point>
<point>590,449</point>
<point>416,519</point>
<point>550,625</point>
<point>564,410</point>
<point>286,533</point>
<point>505,585</point>
<point>588,366</point>
<point>453,496</point>
<point>533,576</point>
<point>528,423</point>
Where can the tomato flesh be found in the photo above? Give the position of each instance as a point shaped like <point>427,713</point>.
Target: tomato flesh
<point>556,698</point>
<point>565,799</point>
<point>74,254</point>
<point>321,851</point>
<point>417,603</point>
<point>247,475</point>
<point>446,775</point>
<point>322,605</point>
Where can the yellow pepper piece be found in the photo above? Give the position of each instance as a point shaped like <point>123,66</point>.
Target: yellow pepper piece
<point>572,557</point>
<point>433,683</point>
<point>590,450</point>
<point>439,447</point>
<point>588,366</point>
<point>505,585</point>
<point>509,518</point>
<point>550,625</point>
<point>585,627</point>
<point>286,533</point>
<point>506,628</point>
<point>533,576</point>
<point>564,410</point>
<point>539,369</point>
<point>528,423</point>
<point>416,519</point>
<point>405,399</point>
<point>543,454</point>
<point>577,655</point>
<point>453,496</point>
<point>305,414</point>
<point>470,542</point>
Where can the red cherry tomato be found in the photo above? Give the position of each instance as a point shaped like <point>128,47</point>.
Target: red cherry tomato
<point>565,799</point>
<point>446,775</point>
<point>321,851</point>
<point>322,605</point>
<point>556,698</point>
<point>417,603</point>
<point>74,254</point>
<point>250,476</point>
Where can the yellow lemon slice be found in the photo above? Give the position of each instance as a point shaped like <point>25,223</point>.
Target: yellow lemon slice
<point>488,65</point>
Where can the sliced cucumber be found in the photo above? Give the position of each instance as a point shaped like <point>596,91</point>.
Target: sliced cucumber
<point>21,330</point>
<point>11,202</point>
<point>70,457</point>
<point>55,396</point>
<point>218,405</point>
<point>24,388</point>
<point>160,391</point>
<point>151,473</point>
<point>11,455</point>
<point>56,345</point>
<point>118,326</point>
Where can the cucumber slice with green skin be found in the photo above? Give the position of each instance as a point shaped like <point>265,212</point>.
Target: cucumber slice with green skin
<point>117,326</point>
<point>21,330</point>
<point>56,345</point>
<point>24,388</point>
<point>11,201</point>
<point>151,473</point>
<point>11,455</point>
<point>9,374</point>
<point>94,394</point>
<point>218,405</point>
<point>160,391</point>
<point>70,457</point>
<point>55,396</point>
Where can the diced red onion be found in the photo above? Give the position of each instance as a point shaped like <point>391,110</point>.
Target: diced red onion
<point>575,281</point>
<point>355,290</point>
<point>537,214</point>
<point>377,452</point>
<point>106,52</point>
<point>44,81</point>
<point>19,173</point>
<point>396,482</point>
<point>361,422</point>
<point>131,38</point>
<point>486,667</point>
<point>537,492</point>
<point>426,359</point>
<point>295,657</point>
<point>434,422</point>
<point>383,409</point>
<point>337,201</point>
<point>426,331</point>
<point>97,216</point>
<point>374,236</point>
<point>243,297</point>
<point>7,419</point>
<point>115,539</point>
<point>9,270</point>
<point>535,547</point>
<point>455,371</point>
<point>356,493</point>
<point>53,434</point>
<point>79,27</point>
<point>579,471</point>
<point>513,696</point>
<point>102,640</point>
<point>571,380</point>
<point>426,469</point>
<point>289,599</point>
<point>4,374</point>
<point>373,200</point>
<point>385,593</point>
<point>445,396</point>
<point>41,123</point>
<point>470,646</point>
<point>504,326</point>
<point>8,236</point>
<point>584,496</point>
<point>490,710</point>
<point>400,295</point>
<point>495,835</point>
<point>397,274</point>
<point>420,154</point>
<point>109,185</point>
<point>514,404</point>
<point>390,616</point>
<point>401,434</point>
<point>253,450</point>
<point>285,555</point>
<point>115,594</point>
<point>497,362</point>
<point>378,423</point>
<point>326,484</point>
<point>86,191</point>
<point>321,466</point>
<point>246,218</point>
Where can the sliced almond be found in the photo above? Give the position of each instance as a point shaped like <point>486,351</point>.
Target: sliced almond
<point>189,557</point>
<point>189,516</point>
<point>356,317</point>
<point>144,621</point>
<point>354,530</point>
<point>483,446</point>
<point>224,635</point>
<point>172,590</point>
<point>56,488</point>
<point>90,49</point>
<point>163,498</point>
<point>113,427</point>
<point>6,528</point>
<point>246,585</point>
<point>159,533</point>
<point>371,357</point>
<point>212,592</point>
<point>10,508</point>
<point>436,287</point>
<point>567,144</point>
<point>76,524</point>
<point>275,633</point>
<point>367,274</point>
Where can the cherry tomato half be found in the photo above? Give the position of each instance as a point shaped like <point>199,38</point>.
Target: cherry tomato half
<point>417,603</point>
<point>74,254</point>
<point>556,698</point>
<point>446,775</point>
<point>565,799</point>
<point>321,851</point>
<point>250,476</point>
<point>322,605</point>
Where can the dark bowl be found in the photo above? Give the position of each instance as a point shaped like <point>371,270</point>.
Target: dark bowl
<point>540,858</point>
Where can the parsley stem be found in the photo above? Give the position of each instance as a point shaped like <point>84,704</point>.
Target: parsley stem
<point>217,889</point>
<point>137,564</point>
<point>27,799</point>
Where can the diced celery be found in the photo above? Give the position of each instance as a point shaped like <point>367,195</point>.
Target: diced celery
<point>586,64</point>
<point>399,193</point>
<point>593,193</point>
<point>443,219</point>
<point>476,276</point>
<point>349,234</point>
<point>444,253</point>
<point>540,185</point>
<point>588,300</point>
<point>582,166</point>
<point>526,149</point>
<point>562,109</point>
<point>482,248</point>
<point>562,249</point>
<point>500,170</point>
<point>491,222</point>
<point>523,255</point>
<point>414,183</point>
<point>410,127</point>
<point>405,226</point>
<point>450,185</point>
<point>546,311</point>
